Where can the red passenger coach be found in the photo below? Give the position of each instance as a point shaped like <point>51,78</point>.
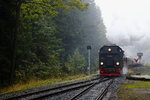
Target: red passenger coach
<point>111,60</point>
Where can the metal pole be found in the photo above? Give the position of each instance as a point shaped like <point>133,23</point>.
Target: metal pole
<point>89,62</point>
<point>89,59</point>
<point>139,59</point>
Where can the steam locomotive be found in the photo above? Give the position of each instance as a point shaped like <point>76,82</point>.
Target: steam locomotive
<point>111,60</point>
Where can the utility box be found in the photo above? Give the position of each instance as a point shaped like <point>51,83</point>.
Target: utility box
<point>89,47</point>
<point>139,54</point>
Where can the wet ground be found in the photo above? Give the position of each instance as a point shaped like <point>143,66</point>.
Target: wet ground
<point>137,89</point>
<point>140,72</point>
<point>140,69</point>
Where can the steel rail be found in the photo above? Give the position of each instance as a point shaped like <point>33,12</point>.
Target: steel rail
<point>104,91</point>
<point>83,92</point>
<point>87,89</point>
<point>44,95</point>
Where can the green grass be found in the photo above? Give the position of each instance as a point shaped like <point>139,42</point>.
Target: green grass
<point>130,71</point>
<point>145,73</point>
<point>137,84</point>
<point>146,64</point>
<point>38,83</point>
<point>131,91</point>
<point>128,94</point>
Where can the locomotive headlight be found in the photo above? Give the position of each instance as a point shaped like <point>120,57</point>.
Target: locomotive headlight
<point>109,49</point>
<point>102,63</point>
<point>117,63</point>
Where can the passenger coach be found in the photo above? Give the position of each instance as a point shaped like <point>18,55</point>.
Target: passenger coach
<point>111,60</point>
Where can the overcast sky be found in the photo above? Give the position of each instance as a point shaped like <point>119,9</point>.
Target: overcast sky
<point>128,25</point>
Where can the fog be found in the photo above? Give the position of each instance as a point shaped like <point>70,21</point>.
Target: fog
<point>128,25</point>
<point>125,70</point>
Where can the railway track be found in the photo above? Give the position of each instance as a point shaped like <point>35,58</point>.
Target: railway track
<point>104,91</point>
<point>69,89</point>
<point>51,91</point>
<point>88,88</point>
<point>83,86</point>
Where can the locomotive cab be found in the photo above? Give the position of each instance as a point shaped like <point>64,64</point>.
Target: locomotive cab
<point>111,60</point>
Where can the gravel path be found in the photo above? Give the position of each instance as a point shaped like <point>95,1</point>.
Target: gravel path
<point>64,96</point>
<point>93,93</point>
<point>114,88</point>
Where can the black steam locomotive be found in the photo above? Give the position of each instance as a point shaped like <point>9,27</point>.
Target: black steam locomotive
<point>111,60</point>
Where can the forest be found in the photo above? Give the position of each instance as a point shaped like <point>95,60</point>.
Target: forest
<point>44,39</point>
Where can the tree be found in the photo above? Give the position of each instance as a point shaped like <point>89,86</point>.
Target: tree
<point>14,11</point>
<point>75,63</point>
<point>77,29</point>
<point>9,27</point>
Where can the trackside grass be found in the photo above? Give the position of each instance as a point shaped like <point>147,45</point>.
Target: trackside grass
<point>37,83</point>
<point>137,84</point>
<point>130,71</point>
<point>134,90</point>
<point>145,73</point>
<point>147,65</point>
